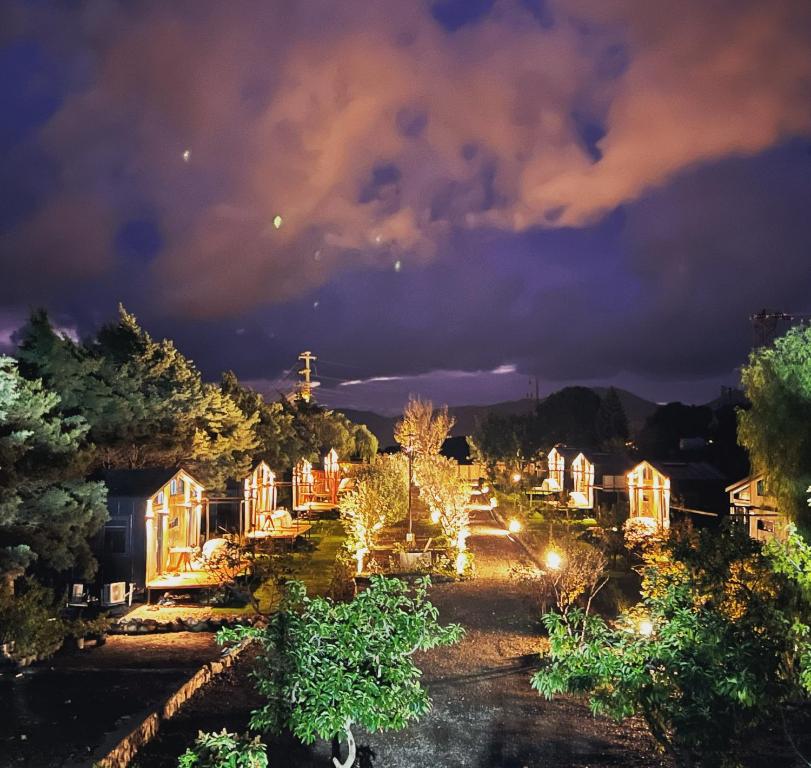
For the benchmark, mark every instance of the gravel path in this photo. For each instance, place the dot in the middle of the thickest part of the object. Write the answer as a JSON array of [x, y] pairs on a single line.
[[485, 714]]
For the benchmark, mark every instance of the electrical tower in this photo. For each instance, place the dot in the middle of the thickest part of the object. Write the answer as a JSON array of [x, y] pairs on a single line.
[[767, 325], [307, 384]]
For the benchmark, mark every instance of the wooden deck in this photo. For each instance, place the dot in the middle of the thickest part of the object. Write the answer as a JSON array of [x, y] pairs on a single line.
[[184, 580], [288, 535]]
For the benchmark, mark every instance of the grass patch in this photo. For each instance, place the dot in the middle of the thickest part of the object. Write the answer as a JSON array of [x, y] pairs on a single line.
[[311, 562], [327, 538]]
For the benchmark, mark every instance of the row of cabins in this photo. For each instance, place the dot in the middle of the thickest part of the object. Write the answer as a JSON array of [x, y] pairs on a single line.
[[164, 528], [656, 489]]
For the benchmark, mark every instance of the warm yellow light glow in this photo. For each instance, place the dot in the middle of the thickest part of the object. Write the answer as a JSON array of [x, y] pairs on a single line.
[[461, 562], [435, 516], [514, 526], [516, 477], [461, 539], [645, 627], [359, 555], [277, 221], [493, 502], [553, 560]]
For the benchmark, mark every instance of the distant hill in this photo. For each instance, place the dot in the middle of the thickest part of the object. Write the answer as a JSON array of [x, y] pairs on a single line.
[[636, 408], [729, 396]]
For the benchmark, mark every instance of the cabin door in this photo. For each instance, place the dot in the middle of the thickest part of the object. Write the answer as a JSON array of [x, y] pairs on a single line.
[[160, 535]]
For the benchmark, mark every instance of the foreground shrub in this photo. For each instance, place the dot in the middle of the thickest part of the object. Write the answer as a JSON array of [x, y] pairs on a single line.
[[29, 624], [224, 750], [718, 645], [327, 667]]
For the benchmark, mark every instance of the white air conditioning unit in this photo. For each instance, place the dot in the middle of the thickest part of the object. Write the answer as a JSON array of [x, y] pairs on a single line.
[[114, 594], [78, 596]]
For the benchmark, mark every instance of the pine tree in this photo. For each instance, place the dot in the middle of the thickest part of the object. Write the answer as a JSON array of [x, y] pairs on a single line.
[[279, 444], [224, 441], [48, 511], [611, 422], [101, 389]]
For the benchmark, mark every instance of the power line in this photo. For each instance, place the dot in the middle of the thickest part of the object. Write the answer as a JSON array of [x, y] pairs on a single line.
[[765, 324]]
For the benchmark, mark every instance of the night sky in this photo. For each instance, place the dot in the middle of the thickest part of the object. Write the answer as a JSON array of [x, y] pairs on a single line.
[[448, 198]]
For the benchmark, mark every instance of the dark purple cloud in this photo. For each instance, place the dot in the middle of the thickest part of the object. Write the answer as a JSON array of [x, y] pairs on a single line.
[[585, 189]]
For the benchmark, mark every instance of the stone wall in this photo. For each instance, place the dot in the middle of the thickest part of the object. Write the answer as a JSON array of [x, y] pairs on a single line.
[[124, 752]]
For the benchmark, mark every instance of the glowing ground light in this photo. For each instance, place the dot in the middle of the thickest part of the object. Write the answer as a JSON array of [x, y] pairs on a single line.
[[461, 562], [516, 477], [553, 560], [278, 221], [645, 627], [435, 516], [514, 526]]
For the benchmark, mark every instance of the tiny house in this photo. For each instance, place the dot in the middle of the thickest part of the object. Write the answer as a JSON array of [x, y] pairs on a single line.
[[260, 495], [750, 503], [555, 471], [692, 489], [317, 489], [649, 495], [582, 493], [155, 525]]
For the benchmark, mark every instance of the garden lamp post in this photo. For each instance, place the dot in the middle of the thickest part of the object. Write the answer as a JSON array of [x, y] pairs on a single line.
[[410, 452]]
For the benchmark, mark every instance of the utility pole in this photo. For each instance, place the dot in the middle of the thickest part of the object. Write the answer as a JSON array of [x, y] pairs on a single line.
[[305, 387], [410, 453], [768, 324]]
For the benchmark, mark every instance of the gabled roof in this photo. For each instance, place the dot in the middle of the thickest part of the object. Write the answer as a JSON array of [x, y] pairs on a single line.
[[604, 463], [258, 464], [745, 481], [139, 483], [611, 463], [688, 470]]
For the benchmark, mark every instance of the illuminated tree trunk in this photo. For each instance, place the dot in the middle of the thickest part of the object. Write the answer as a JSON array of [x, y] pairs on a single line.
[[350, 740]]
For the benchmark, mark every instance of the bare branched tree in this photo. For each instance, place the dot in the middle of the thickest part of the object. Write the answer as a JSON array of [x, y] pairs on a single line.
[[423, 430]]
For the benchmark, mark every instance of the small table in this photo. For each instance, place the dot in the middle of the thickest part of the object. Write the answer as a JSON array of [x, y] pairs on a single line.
[[183, 558], [281, 519]]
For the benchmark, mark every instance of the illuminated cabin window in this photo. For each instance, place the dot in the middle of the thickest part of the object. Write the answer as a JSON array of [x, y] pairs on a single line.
[[761, 487], [177, 487], [159, 499]]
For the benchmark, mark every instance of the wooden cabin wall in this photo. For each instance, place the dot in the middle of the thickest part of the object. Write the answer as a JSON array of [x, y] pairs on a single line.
[[130, 566]]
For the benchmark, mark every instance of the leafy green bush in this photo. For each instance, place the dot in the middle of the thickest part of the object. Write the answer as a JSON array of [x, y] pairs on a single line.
[[224, 750], [327, 667], [718, 644]]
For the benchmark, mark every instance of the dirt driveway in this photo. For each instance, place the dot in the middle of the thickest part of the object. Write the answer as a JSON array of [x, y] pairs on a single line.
[[54, 715]]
